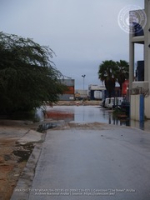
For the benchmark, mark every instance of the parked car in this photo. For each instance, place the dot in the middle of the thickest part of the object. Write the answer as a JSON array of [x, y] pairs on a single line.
[[113, 102], [103, 103]]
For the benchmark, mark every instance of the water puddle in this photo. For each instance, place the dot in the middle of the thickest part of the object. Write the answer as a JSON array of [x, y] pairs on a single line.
[[87, 114]]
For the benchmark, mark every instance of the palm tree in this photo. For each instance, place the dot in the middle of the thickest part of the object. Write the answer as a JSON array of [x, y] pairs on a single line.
[[122, 72], [107, 73]]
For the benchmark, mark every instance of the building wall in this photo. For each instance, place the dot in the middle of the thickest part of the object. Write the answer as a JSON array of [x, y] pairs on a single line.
[[96, 92], [135, 108], [143, 86], [66, 97], [97, 87], [135, 100], [69, 93], [147, 107], [81, 94], [70, 90]]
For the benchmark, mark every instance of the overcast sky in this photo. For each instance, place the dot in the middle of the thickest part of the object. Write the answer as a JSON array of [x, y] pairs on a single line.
[[82, 33]]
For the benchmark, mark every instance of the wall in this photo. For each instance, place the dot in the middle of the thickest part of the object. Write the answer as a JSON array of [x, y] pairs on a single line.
[[134, 110], [70, 90], [95, 94], [146, 83], [138, 108], [147, 107], [69, 94], [80, 94], [66, 97]]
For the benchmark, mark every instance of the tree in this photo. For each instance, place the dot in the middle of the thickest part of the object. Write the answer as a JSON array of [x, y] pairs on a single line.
[[27, 75], [107, 73], [123, 72]]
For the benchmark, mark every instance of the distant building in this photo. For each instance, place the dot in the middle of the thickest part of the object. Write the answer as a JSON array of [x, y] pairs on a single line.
[[81, 94], [69, 93], [95, 92], [99, 92]]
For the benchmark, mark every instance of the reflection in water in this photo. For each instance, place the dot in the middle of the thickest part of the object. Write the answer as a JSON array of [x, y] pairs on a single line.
[[83, 114], [86, 114], [115, 121], [60, 115]]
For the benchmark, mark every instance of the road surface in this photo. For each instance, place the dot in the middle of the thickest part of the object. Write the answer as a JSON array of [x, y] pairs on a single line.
[[92, 163]]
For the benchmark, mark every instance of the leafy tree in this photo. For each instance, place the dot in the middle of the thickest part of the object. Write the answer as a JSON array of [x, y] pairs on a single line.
[[123, 72], [27, 75], [107, 73]]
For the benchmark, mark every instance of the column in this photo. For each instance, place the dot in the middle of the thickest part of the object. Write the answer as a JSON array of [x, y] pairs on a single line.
[[131, 64]]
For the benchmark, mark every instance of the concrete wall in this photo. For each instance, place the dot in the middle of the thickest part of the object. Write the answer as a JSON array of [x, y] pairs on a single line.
[[66, 97], [135, 106], [147, 107], [134, 110]]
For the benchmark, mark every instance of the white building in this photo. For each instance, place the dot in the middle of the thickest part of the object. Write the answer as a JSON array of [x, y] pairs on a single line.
[[95, 92], [140, 34]]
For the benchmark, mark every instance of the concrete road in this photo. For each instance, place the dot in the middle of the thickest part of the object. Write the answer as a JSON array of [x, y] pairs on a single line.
[[93, 164]]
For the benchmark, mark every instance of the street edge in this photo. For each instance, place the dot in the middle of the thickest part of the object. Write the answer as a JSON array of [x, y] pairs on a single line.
[[22, 189]]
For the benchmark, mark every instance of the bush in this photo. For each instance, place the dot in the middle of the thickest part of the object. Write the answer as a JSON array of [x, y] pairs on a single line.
[[27, 75]]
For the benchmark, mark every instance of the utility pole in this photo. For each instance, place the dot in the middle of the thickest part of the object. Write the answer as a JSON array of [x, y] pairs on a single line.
[[83, 80]]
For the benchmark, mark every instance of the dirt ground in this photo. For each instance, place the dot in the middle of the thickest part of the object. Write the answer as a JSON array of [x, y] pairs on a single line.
[[13, 158]]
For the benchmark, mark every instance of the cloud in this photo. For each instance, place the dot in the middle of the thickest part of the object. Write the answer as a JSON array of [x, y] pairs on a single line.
[[82, 33]]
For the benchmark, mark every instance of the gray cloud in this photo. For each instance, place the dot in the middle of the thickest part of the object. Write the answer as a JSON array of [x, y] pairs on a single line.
[[82, 33]]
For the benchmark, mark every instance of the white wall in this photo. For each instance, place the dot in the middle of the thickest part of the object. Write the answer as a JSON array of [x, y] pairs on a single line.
[[147, 106], [134, 107]]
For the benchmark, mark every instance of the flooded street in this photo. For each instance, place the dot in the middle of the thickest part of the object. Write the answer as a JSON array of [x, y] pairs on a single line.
[[86, 114], [82, 114]]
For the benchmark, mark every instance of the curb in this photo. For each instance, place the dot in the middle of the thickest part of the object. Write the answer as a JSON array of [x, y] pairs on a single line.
[[22, 189]]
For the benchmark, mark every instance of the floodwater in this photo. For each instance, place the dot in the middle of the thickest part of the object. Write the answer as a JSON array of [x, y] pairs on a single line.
[[86, 114]]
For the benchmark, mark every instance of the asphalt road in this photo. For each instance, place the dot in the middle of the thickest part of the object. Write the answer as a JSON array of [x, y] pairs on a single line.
[[93, 164]]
